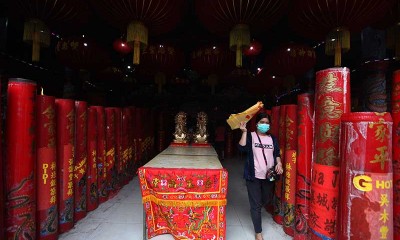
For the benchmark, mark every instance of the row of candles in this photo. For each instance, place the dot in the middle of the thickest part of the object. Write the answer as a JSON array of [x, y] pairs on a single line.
[[64, 158]]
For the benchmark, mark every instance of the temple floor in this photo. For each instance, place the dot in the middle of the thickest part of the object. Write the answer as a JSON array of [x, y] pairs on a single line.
[[121, 218]]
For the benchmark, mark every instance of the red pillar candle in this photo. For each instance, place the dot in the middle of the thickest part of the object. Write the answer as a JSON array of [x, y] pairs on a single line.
[[125, 144], [279, 184], [366, 188], [290, 169], [65, 122], [21, 157], [92, 194], [305, 116], [80, 170], [101, 155], [110, 151], [118, 145], [396, 152], [46, 169], [332, 99]]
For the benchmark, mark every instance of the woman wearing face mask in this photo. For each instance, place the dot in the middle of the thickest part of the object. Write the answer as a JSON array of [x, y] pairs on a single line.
[[262, 154]]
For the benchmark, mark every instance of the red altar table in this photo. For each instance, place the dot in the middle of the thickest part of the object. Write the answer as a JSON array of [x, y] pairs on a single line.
[[184, 194]]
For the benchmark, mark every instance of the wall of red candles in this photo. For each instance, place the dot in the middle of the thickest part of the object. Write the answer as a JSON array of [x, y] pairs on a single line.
[[53, 162]]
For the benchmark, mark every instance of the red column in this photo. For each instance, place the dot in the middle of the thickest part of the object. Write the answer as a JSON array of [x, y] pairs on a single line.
[[366, 174], [305, 116], [80, 170], [332, 99], [396, 152], [92, 194], [46, 169], [279, 184], [101, 155], [21, 157], [110, 151], [65, 115], [118, 145], [290, 169]]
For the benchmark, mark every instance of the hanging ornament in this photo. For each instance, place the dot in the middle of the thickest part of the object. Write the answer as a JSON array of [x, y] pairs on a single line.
[[239, 39], [137, 37]]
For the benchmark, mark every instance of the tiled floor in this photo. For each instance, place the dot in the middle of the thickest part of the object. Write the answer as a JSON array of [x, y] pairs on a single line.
[[121, 218]]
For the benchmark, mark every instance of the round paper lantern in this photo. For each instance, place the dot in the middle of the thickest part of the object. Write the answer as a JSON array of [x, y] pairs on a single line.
[[239, 17], [212, 60], [334, 20], [121, 46], [291, 59], [81, 53], [141, 17], [254, 49]]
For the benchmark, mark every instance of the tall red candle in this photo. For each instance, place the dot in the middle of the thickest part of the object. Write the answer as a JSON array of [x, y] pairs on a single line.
[[118, 146], [92, 194], [290, 169], [279, 184], [332, 99], [46, 169], [396, 152], [80, 170], [110, 151], [366, 187], [65, 121], [305, 116], [101, 155], [21, 157]]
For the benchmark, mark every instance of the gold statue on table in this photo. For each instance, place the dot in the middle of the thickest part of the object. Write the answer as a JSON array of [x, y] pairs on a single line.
[[201, 132], [180, 133]]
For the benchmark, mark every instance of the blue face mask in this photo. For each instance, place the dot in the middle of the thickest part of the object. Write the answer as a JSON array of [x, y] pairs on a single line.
[[263, 127]]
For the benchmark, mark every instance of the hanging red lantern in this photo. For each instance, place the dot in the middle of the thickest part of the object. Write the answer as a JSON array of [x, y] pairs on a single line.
[[291, 59], [240, 18], [254, 49], [121, 46], [81, 53], [141, 17], [334, 20], [212, 60]]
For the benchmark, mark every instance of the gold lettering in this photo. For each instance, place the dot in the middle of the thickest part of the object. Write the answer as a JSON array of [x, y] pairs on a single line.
[[329, 84], [363, 183]]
